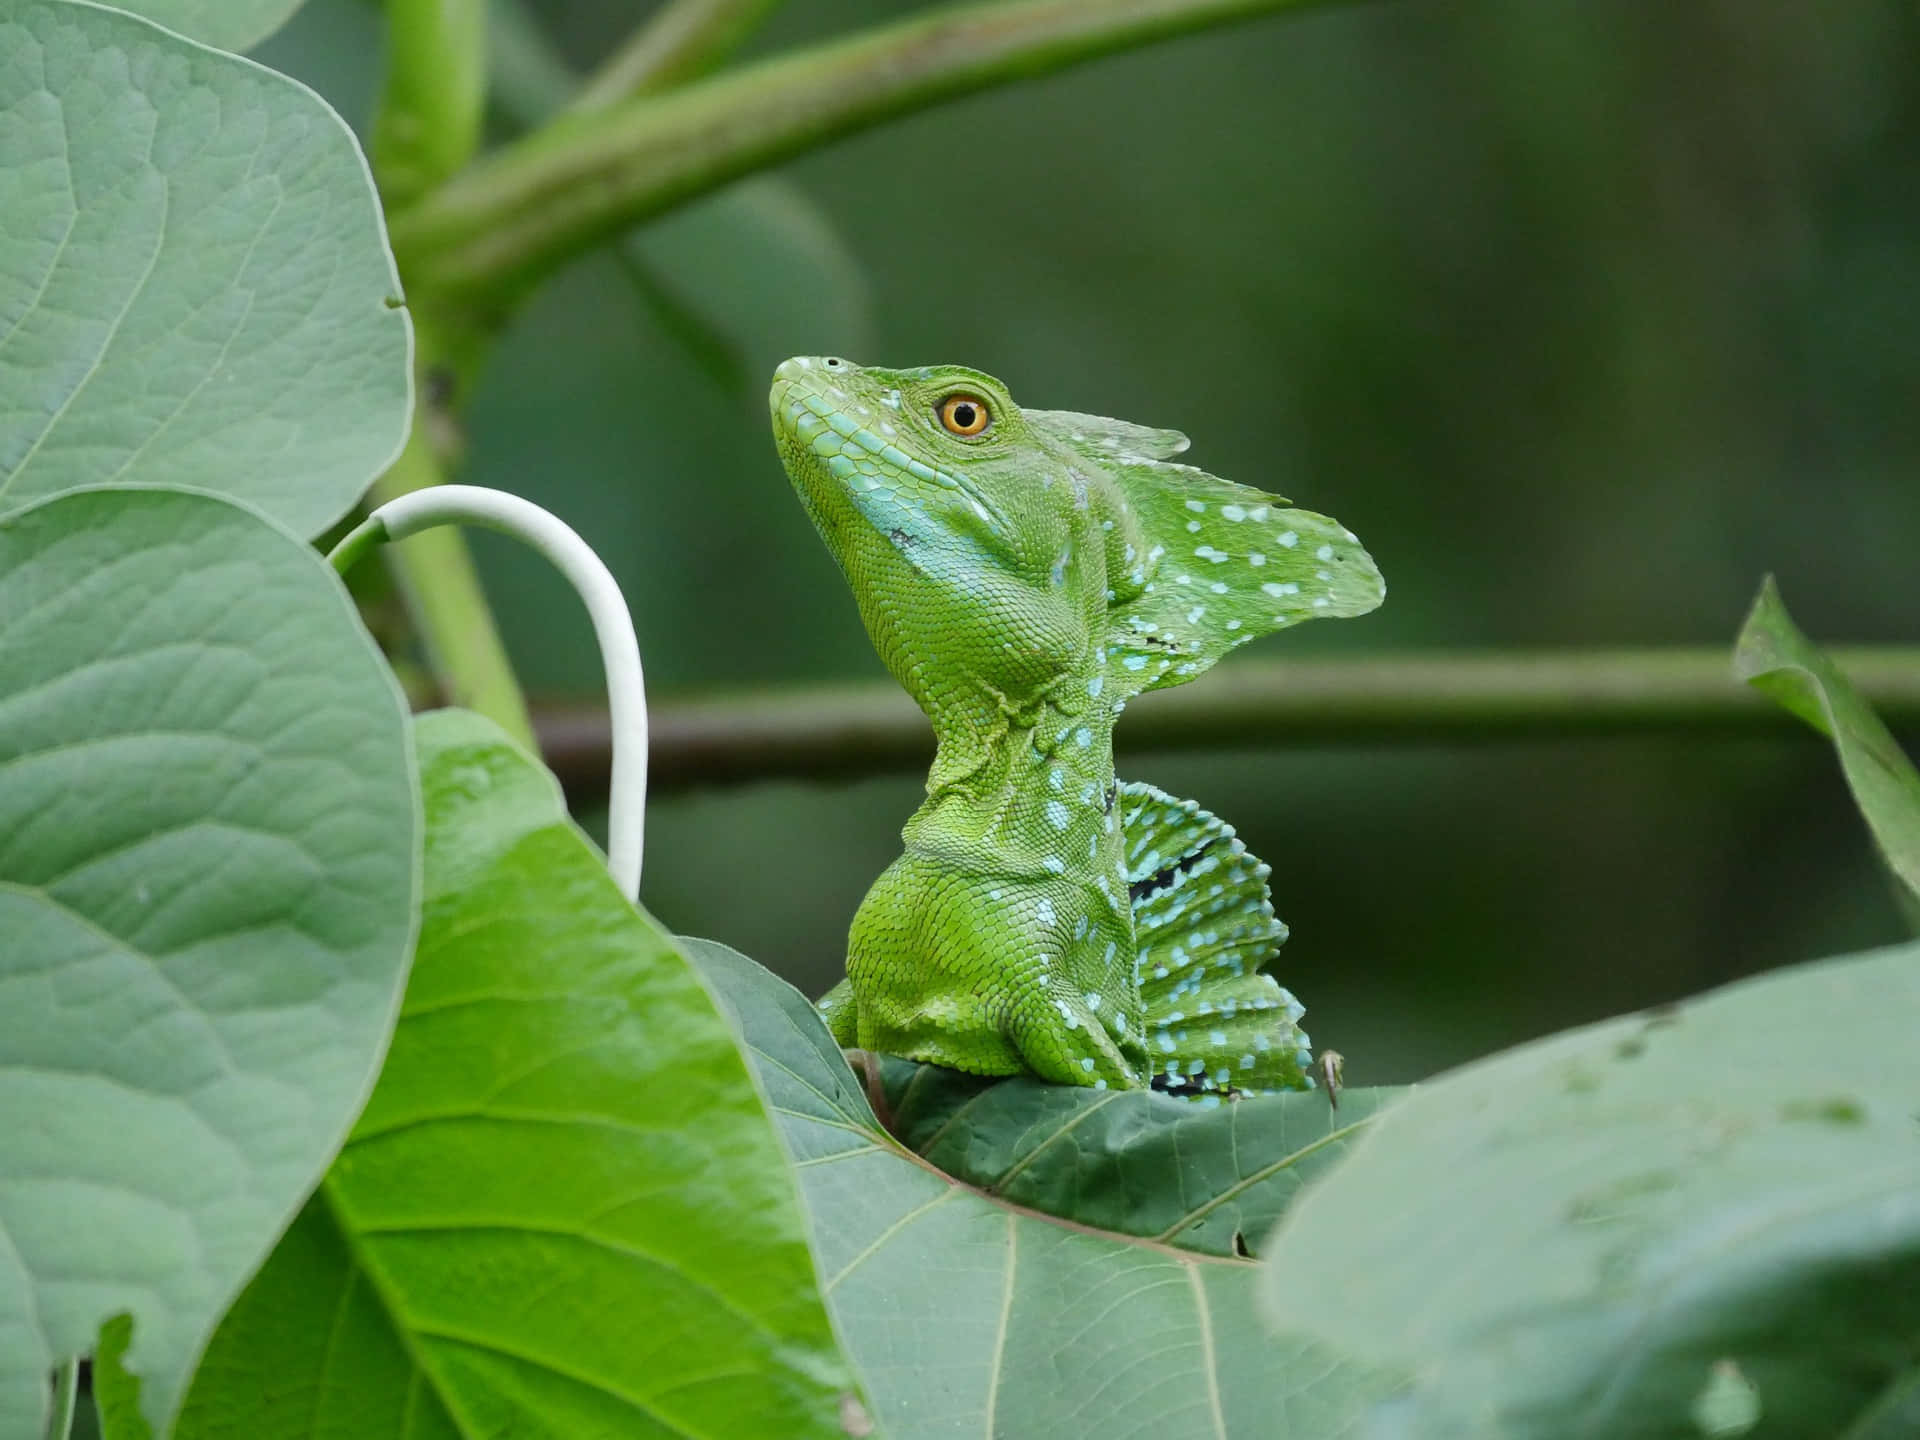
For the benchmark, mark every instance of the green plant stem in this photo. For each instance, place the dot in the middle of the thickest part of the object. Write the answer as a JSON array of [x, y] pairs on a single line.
[[66, 1398], [519, 214], [680, 41], [436, 574], [356, 544], [1461, 698], [527, 77], [428, 122], [426, 127]]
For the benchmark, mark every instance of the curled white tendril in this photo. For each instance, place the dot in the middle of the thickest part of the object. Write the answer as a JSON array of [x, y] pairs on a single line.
[[612, 625]]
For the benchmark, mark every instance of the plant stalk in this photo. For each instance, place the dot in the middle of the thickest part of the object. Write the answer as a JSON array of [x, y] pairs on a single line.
[[680, 41], [868, 729], [432, 99], [519, 214], [527, 77]]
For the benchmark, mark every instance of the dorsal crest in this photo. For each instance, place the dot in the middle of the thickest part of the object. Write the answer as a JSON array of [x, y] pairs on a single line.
[[1107, 440], [1198, 565]]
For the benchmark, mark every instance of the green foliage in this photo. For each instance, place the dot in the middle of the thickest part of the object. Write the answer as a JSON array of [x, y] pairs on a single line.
[[196, 289], [1612, 1231], [228, 24], [210, 859], [1773, 656], [208, 852], [1206, 1177], [563, 1211], [969, 1313]]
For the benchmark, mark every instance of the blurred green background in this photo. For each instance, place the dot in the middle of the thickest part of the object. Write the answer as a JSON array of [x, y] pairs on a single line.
[[1583, 313]]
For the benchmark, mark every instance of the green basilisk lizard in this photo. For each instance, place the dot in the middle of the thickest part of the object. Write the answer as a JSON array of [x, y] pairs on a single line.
[[1023, 574]]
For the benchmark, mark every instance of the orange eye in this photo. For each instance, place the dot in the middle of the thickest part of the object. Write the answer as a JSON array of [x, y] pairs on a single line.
[[965, 414]]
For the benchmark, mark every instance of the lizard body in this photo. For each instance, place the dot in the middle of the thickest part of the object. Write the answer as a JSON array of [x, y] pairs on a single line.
[[1023, 574]]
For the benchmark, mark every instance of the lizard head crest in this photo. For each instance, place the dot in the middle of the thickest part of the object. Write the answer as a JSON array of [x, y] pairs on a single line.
[[1013, 547]]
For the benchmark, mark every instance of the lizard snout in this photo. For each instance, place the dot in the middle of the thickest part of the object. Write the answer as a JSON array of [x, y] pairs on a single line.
[[801, 366]]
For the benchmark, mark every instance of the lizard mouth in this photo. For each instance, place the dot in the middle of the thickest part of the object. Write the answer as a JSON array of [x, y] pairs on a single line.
[[809, 404]]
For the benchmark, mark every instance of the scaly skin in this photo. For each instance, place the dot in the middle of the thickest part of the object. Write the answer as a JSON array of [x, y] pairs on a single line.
[[1022, 583]]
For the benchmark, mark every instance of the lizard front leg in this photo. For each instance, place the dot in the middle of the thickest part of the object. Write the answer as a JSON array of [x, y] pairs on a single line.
[[992, 975]]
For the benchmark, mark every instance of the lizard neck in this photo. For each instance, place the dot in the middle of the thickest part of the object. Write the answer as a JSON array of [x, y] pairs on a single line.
[[1024, 791]]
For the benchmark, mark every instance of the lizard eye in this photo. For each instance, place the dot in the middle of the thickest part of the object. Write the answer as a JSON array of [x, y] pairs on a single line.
[[965, 414]]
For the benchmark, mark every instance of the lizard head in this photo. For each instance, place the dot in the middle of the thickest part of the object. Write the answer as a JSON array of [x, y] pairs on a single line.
[[1014, 548], [950, 517], [920, 457]]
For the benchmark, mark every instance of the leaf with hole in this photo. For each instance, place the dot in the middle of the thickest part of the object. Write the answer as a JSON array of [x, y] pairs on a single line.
[[1625, 1229]]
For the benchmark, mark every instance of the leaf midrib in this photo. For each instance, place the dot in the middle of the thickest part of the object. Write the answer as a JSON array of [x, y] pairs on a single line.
[[1265, 1172], [395, 1312], [881, 1140]]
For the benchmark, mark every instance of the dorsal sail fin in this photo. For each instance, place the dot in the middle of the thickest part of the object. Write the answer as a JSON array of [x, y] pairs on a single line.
[[1205, 927]]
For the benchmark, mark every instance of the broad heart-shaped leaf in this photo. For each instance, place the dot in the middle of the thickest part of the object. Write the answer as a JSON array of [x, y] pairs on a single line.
[[226, 24], [1773, 656], [195, 286], [970, 1316], [565, 1212], [1624, 1229], [208, 868]]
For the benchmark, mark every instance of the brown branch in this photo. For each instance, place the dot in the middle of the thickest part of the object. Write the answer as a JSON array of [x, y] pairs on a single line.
[[854, 730]]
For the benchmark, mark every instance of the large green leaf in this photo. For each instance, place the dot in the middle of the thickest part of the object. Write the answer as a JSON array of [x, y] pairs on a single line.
[[969, 1315], [564, 1212], [1206, 1179], [1773, 656], [208, 858], [1698, 1221], [195, 287]]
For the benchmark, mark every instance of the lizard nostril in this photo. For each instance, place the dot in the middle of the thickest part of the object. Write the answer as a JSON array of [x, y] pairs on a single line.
[[832, 363]]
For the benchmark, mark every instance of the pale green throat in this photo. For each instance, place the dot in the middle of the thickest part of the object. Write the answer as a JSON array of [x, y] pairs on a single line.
[[1023, 574]]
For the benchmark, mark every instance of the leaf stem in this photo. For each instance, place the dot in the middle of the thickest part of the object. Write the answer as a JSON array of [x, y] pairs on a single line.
[[522, 212], [354, 545], [869, 729]]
